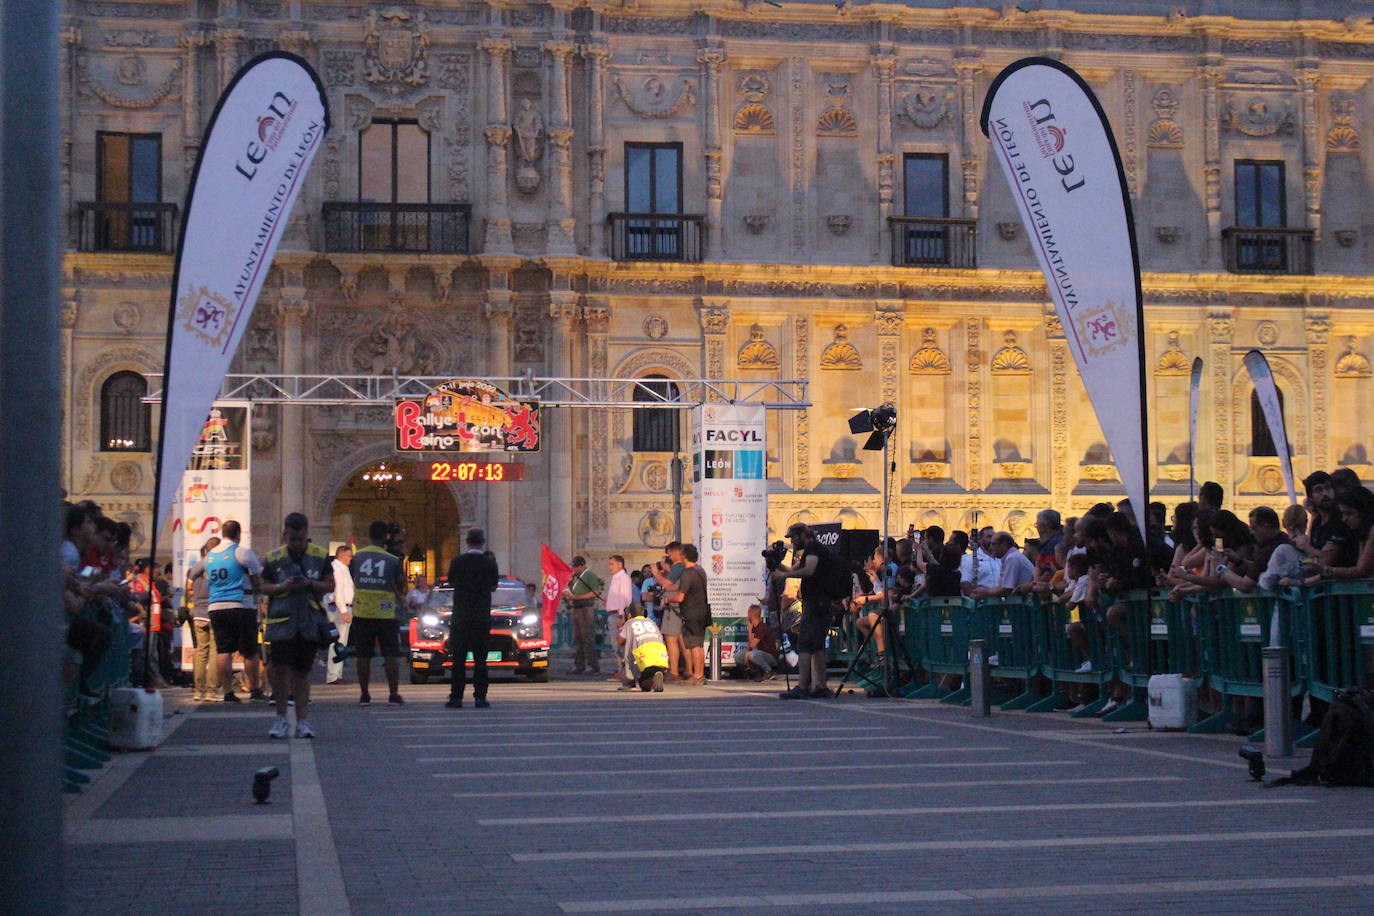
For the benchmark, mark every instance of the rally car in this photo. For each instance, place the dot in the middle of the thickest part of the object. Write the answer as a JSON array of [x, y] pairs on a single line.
[[516, 644]]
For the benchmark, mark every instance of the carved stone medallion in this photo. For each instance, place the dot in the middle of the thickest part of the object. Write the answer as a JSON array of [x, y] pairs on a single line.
[[394, 49]]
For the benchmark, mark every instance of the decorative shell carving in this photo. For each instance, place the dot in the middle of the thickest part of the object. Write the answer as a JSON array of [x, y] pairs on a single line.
[[755, 119], [930, 359], [1173, 361], [758, 353], [837, 122], [840, 353], [1011, 359], [1352, 363]]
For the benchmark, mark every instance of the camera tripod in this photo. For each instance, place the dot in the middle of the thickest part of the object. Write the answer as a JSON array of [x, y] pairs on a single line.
[[891, 667]]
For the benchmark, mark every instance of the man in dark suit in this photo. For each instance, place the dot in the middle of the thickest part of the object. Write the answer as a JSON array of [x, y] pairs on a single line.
[[473, 576]]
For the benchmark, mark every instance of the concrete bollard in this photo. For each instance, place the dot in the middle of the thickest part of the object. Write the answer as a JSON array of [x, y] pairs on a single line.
[[978, 680], [1278, 718], [713, 654]]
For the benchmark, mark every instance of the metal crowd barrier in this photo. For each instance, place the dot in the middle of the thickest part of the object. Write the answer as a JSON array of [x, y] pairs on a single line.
[[1215, 637], [86, 701]]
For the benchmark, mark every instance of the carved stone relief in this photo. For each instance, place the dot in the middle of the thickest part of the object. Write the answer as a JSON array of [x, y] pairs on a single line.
[[394, 49], [127, 317], [758, 353], [840, 353], [652, 98], [1267, 333], [1173, 361], [127, 71], [529, 136], [1258, 116], [753, 116], [1011, 359], [836, 120], [1164, 132], [126, 476], [655, 528], [930, 359], [1352, 363], [927, 106], [1342, 137], [529, 334], [340, 68]]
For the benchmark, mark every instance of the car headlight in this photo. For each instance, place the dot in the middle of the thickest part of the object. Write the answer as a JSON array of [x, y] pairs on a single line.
[[430, 620], [529, 620]]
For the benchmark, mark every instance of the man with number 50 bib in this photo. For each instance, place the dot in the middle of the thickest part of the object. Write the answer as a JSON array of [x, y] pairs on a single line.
[[233, 613]]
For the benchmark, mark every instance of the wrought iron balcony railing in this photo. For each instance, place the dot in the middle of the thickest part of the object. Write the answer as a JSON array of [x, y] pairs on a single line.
[[126, 226], [657, 236], [356, 226], [1267, 251], [920, 241]]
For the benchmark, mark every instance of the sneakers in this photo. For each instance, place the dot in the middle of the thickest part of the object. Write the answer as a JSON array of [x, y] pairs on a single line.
[[454, 703], [796, 693], [213, 697], [819, 693], [230, 697], [480, 702], [365, 700], [658, 682], [258, 696], [993, 660], [1112, 706], [695, 682], [303, 730], [395, 700], [279, 728], [1085, 668], [198, 697]]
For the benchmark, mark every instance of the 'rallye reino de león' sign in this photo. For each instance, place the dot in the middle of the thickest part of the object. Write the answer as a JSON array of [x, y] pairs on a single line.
[[1057, 151], [466, 415], [258, 147]]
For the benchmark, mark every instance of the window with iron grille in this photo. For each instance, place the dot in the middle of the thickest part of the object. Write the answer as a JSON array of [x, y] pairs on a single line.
[[124, 416], [656, 429]]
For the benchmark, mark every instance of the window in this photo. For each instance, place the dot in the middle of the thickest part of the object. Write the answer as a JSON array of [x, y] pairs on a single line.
[[1261, 439], [656, 428], [926, 184], [124, 417], [128, 171], [1260, 194], [393, 163], [653, 177]]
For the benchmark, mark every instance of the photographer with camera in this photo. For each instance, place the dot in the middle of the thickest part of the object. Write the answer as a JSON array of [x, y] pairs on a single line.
[[810, 560]]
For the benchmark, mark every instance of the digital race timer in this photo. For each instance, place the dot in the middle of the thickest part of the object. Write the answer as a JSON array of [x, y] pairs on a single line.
[[484, 471]]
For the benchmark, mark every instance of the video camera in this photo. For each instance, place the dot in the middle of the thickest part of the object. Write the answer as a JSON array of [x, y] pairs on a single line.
[[395, 544], [773, 555]]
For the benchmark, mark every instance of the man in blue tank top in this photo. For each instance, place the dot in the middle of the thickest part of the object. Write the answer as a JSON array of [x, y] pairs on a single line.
[[233, 572]]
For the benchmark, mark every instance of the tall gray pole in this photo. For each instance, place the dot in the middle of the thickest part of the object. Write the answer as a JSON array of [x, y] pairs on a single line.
[[30, 407]]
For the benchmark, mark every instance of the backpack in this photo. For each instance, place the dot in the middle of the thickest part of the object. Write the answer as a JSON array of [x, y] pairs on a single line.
[[1344, 755], [836, 580]]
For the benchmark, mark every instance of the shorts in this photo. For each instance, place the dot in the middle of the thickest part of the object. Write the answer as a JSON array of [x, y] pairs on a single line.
[[366, 632], [295, 653], [236, 630], [694, 632], [672, 622], [815, 626]]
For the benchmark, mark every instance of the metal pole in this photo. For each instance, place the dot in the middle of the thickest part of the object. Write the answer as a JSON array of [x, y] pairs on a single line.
[[1278, 718], [30, 391], [676, 468], [978, 680], [713, 648]]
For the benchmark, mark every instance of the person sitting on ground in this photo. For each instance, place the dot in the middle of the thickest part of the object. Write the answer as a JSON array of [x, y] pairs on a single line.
[[759, 656], [643, 652], [1015, 574]]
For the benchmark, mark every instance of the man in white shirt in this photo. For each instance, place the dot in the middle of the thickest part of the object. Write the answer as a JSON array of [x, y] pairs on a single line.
[[1017, 573], [980, 569], [619, 597], [339, 605]]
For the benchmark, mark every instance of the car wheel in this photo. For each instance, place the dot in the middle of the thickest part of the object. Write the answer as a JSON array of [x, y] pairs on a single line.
[[538, 676], [419, 677]]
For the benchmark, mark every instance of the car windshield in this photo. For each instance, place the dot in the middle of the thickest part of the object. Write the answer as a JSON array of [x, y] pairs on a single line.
[[509, 596]]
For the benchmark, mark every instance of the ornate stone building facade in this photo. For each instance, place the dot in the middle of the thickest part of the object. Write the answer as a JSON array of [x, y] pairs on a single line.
[[737, 189]]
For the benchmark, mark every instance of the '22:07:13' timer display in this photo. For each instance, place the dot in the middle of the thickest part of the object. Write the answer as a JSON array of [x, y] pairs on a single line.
[[483, 471]]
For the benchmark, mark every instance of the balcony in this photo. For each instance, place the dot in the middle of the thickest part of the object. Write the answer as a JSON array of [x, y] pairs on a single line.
[[351, 227], [920, 241], [1267, 251], [145, 227], [657, 236]]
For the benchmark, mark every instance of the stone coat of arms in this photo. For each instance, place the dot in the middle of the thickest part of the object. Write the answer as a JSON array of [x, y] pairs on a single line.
[[394, 49]]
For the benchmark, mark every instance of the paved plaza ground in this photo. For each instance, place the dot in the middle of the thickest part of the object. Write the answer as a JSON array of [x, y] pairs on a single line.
[[571, 797]]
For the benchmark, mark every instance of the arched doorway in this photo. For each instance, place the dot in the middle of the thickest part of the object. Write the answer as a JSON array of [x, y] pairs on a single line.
[[399, 492]]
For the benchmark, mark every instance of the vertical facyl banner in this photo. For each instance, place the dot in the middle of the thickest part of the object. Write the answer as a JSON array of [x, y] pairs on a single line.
[[256, 151], [1272, 408], [730, 502], [215, 487], [1194, 394], [1059, 156]]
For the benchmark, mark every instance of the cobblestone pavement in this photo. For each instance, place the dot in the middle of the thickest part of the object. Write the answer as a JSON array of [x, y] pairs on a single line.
[[572, 797]]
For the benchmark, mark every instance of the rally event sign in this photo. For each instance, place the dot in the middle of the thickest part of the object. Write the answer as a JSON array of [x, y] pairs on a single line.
[[730, 505], [466, 415], [1056, 148], [257, 149]]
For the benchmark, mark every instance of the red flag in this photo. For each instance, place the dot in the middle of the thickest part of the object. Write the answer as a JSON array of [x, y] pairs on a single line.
[[557, 575]]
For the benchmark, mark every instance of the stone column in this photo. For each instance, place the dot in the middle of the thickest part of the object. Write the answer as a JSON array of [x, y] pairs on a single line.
[[227, 52], [558, 423], [1313, 144], [1318, 326], [596, 56], [498, 230], [973, 404], [596, 318], [1211, 74], [884, 65], [1061, 484], [711, 57], [71, 44], [715, 322], [71, 309], [801, 429], [1220, 326], [890, 324], [969, 65], [293, 308], [561, 223], [497, 308], [191, 43]]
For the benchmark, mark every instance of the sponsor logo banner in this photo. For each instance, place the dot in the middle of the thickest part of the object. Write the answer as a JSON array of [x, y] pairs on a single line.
[[1055, 146], [466, 415], [257, 149], [730, 503]]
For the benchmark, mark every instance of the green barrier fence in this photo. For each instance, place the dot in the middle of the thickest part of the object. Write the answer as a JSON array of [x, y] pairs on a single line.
[[1063, 661], [86, 700], [1340, 631], [1015, 632]]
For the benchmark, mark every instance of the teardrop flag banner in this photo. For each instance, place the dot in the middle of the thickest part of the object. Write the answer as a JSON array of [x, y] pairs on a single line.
[[1272, 407], [1054, 143], [1194, 393], [258, 146]]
